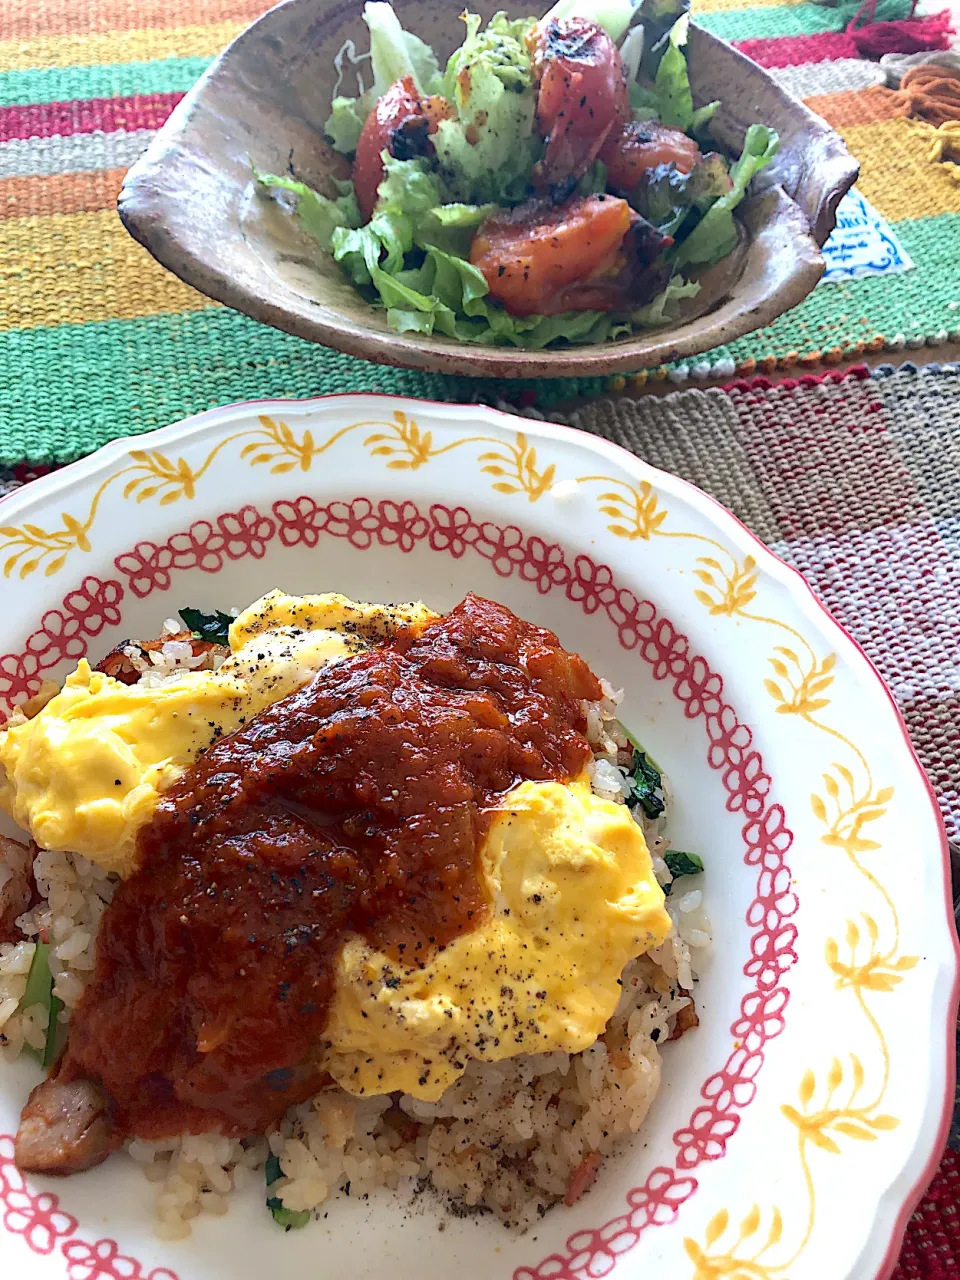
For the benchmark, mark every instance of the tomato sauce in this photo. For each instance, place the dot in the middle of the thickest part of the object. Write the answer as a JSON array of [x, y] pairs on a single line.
[[357, 805]]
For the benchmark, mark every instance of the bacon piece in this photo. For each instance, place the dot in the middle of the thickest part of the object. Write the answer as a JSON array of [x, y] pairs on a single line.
[[65, 1128], [118, 665], [686, 1020], [17, 891], [583, 1177]]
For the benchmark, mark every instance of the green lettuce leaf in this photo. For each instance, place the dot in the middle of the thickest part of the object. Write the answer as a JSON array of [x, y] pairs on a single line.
[[414, 187], [674, 97], [451, 227], [486, 153], [319, 215], [663, 309], [715, 235], [700, 120], [409, 186], [657, 17], [643, 102], [369, 253], [344, 124], [394, 54]]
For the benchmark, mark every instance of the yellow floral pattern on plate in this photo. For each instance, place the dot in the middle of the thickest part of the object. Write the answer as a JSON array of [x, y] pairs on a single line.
[[152, 475]]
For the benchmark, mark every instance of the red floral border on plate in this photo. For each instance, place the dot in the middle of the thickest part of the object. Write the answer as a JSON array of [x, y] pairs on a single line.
[[64, 634]]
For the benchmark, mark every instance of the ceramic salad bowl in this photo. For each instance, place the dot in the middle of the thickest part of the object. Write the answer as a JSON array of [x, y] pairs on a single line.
[[190, 199], [797, 1126]]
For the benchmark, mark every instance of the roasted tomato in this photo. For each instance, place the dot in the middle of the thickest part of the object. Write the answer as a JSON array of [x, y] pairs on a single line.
[[631, 149], [589, 253], [400, 124], [582, 95]]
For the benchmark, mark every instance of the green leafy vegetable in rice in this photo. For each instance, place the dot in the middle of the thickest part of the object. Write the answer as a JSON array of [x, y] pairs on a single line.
[[682, 864], [39, 995], [646, 786], [289, 1219], [213, 627]]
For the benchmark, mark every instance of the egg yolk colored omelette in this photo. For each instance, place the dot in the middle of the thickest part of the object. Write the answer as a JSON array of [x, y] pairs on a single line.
[[85, 774], [368, 849]]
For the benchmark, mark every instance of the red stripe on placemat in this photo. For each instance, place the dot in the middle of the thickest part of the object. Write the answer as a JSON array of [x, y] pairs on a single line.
[[789, 51], [49, 119], [931, 1246]]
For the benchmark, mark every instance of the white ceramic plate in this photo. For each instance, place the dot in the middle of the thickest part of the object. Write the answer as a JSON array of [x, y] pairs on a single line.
[[797, 1127]]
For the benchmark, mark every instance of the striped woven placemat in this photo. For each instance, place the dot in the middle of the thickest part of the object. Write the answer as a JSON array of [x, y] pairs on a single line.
[[97, 340]]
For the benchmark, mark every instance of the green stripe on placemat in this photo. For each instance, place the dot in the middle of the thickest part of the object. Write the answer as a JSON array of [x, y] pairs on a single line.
[[122, 377], [842, 314], [114, 80], [765, 22], [79, 386]]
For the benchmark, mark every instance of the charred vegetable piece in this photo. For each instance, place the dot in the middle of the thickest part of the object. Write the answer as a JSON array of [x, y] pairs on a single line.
[[399, 124], [635, 148], [582, 95], [289, 1219], [589, 253], [396, 125]]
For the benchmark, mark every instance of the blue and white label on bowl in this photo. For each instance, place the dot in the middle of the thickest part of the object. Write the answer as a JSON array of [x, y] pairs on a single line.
[[863, 243]]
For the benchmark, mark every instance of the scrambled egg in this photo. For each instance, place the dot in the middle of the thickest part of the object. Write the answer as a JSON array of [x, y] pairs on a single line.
[[87, 771], [573, 899]]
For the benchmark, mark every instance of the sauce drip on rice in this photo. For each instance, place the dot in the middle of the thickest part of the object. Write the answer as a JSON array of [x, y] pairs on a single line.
[[355, 806]]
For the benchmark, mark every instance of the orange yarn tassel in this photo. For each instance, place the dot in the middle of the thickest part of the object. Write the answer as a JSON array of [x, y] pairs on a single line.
[[932, 93]]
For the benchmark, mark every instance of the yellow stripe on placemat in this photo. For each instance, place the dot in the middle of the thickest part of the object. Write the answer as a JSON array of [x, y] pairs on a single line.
[[81, 267], [896, 173], [720, 6], [27, 19], [110, 47]]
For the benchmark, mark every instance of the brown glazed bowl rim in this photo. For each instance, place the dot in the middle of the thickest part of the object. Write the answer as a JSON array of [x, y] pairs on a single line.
[[788, 215]]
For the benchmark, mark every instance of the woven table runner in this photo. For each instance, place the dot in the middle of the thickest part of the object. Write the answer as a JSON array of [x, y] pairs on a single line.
[[98, 341]]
